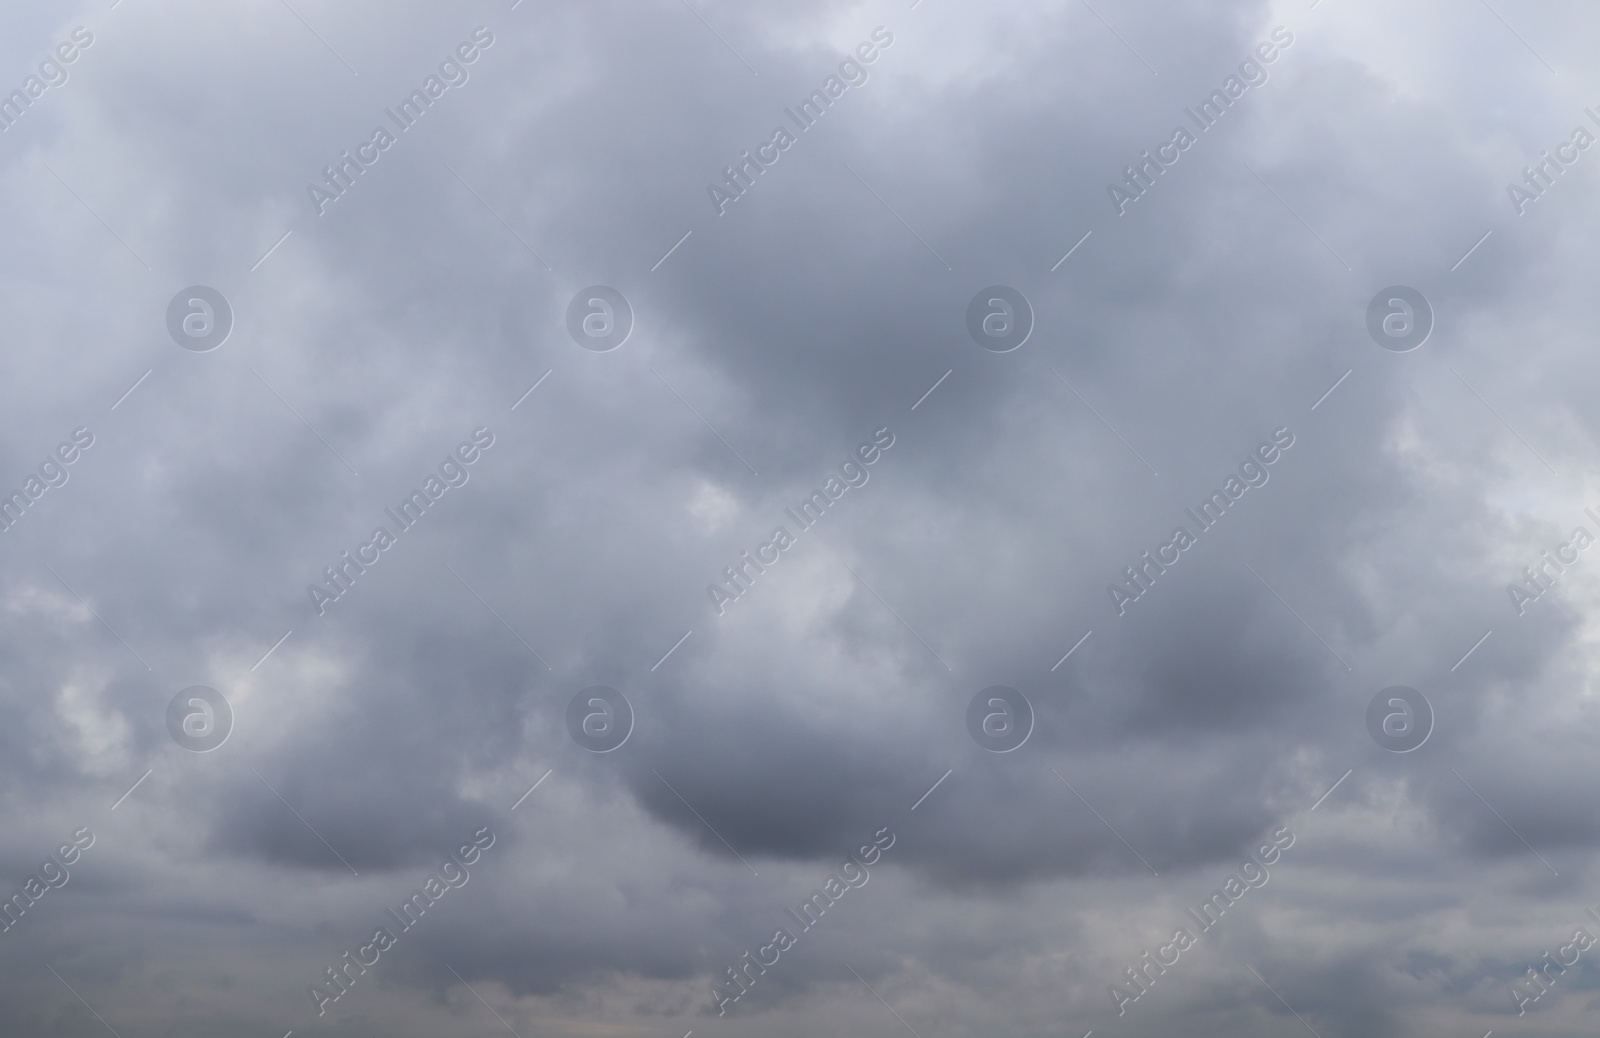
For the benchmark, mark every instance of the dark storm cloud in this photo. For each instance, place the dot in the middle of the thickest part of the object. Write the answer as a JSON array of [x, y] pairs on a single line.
[[831, 697]]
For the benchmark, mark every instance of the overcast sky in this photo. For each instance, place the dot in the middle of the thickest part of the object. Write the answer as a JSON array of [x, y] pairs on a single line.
[[419, 231]]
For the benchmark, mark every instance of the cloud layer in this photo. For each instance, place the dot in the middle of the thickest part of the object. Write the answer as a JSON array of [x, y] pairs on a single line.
[[393, 296]]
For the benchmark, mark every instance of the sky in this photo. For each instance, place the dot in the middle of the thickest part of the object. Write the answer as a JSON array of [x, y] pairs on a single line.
[[792, 518]]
